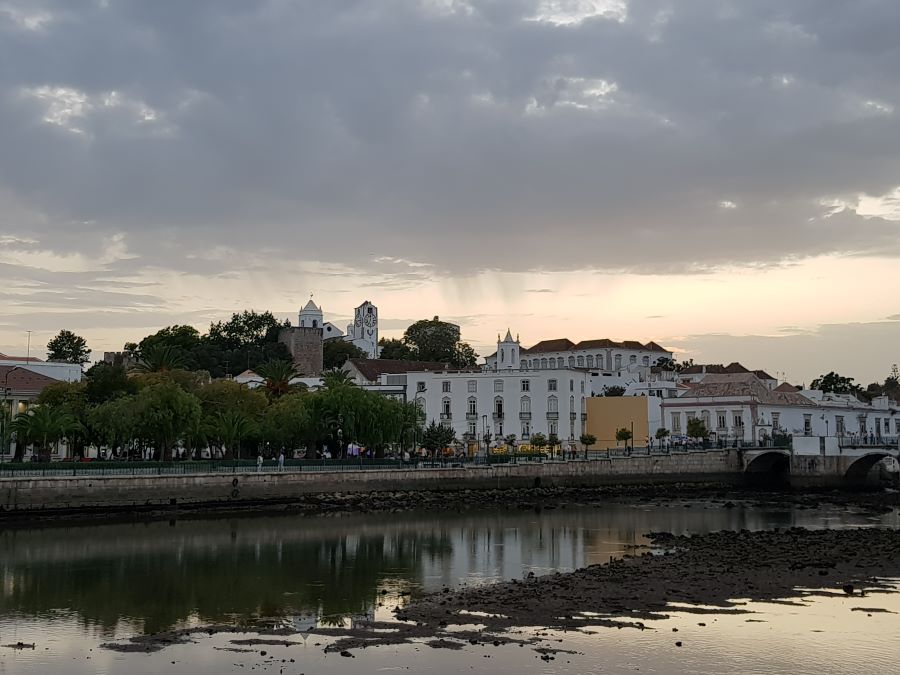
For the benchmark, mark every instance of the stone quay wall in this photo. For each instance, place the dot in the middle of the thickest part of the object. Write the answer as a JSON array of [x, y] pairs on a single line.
[[135, 493]]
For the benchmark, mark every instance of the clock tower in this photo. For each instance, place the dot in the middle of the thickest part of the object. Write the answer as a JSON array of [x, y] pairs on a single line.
[[363, 332]]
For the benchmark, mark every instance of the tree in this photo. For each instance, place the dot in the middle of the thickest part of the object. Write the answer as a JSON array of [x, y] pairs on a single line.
[[104, 382], [336, 352], [587, 440], [287, 424], [539, 441], [614, 390], [41, 425], [163, 413], [247, 328], [68, 347], [432, 340], [160, 359], [112, 422], [696, 428], [395, 350], [437, 437], [835, 384], [336, 378], [552, 443], [277, 376], [662, 433], [623, 435], [230, 427]]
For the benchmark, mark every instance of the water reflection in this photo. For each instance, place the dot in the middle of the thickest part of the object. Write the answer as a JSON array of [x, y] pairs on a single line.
[[151, 577]]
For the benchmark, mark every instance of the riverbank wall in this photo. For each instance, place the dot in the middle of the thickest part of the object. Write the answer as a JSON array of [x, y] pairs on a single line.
[[136, 493]]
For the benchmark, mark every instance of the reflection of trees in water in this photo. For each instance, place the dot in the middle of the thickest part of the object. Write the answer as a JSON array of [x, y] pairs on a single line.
[[333, 577]]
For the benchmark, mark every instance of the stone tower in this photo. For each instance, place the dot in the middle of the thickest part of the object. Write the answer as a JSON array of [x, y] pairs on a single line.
[[363, 332], [305, 346]]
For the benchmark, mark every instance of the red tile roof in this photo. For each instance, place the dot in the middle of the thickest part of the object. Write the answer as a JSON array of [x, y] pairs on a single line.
[[557, 345], [786, 388], [22, 380], [28, 359], [372, 368]]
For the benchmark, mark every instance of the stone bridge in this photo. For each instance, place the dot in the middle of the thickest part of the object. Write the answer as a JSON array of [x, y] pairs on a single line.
[[831, 465]]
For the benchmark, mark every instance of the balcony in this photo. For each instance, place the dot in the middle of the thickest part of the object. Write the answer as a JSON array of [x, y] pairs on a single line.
[[553, 415], [525, 416], [573, 416], [498, 416], [471, 416], [446, 416]]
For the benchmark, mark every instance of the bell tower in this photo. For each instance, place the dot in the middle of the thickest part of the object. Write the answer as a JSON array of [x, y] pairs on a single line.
[[508, 352]]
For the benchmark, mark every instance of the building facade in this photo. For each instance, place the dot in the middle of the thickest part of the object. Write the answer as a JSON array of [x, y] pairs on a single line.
[[503, 403], [305, 346], [363, 332], [601, 355]]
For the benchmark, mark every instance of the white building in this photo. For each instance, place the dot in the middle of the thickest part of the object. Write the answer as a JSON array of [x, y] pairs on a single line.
[[601, 355], [311, 317], [56, 370], [741, 407], [507, 402]]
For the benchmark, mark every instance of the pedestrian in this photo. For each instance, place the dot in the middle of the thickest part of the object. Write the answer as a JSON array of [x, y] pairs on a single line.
[[259, 463], [281, 460]]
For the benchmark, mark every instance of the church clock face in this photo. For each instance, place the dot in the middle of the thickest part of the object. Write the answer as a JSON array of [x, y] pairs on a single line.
[[370, 321]]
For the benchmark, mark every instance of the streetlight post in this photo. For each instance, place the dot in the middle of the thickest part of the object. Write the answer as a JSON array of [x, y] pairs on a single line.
[[632, 435]]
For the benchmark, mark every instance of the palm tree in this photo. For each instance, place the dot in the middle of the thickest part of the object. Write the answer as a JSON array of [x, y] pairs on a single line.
[[277, 375], [42, 425], [230, 427], [160, 359], [336, 377]]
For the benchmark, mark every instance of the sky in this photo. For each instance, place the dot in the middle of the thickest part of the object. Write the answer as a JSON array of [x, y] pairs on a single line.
[[722, 177]]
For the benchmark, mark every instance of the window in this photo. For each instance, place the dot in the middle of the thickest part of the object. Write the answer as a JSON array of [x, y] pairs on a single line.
[[676, 423], [721, 420], [551, 385], [839, 425], [543, 364], [776, 419], [498, 407], [646, 361], [582, 386], [553, 428], [571, 385], [738, 420], [600, 360], [445, 386], [471, 430], [526, 385], [552, 363], [420, 386], [523, 364], [705, 417], [445, 406], [498, 385], [502, 355], [472, 406], [571, 362], [571, 404], [580, 361], [553, 404], [618, 361], [632, 359], [525, 405], [807, 425], [473, 386], [589, 361], [526, 430]]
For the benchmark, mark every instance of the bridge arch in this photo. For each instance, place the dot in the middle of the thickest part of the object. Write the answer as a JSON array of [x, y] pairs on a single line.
[[769, 467], [859, 469]]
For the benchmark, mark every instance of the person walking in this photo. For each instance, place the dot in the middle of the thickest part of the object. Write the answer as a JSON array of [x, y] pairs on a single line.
[[281, 460], [259, 461]]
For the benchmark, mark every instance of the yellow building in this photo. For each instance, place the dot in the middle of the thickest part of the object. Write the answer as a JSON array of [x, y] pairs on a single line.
[[607, 414]]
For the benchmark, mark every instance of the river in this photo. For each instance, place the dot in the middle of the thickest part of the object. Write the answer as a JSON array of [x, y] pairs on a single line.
[[69, 589]]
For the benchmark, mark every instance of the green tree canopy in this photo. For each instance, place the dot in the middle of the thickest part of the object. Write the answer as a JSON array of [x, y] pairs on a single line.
[[68, 347], [246, 329], [696, 428], [336, 352], [396, 350], [437, 437], [623, 435], [104, 382], [614, 390], [163, 412], [835, 384]]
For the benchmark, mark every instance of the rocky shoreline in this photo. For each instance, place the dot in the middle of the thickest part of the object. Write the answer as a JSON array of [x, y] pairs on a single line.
[[335, 503]]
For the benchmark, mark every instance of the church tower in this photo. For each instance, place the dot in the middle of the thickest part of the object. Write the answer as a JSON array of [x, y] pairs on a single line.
[[363, 332], [310, 316], [507, 352]]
